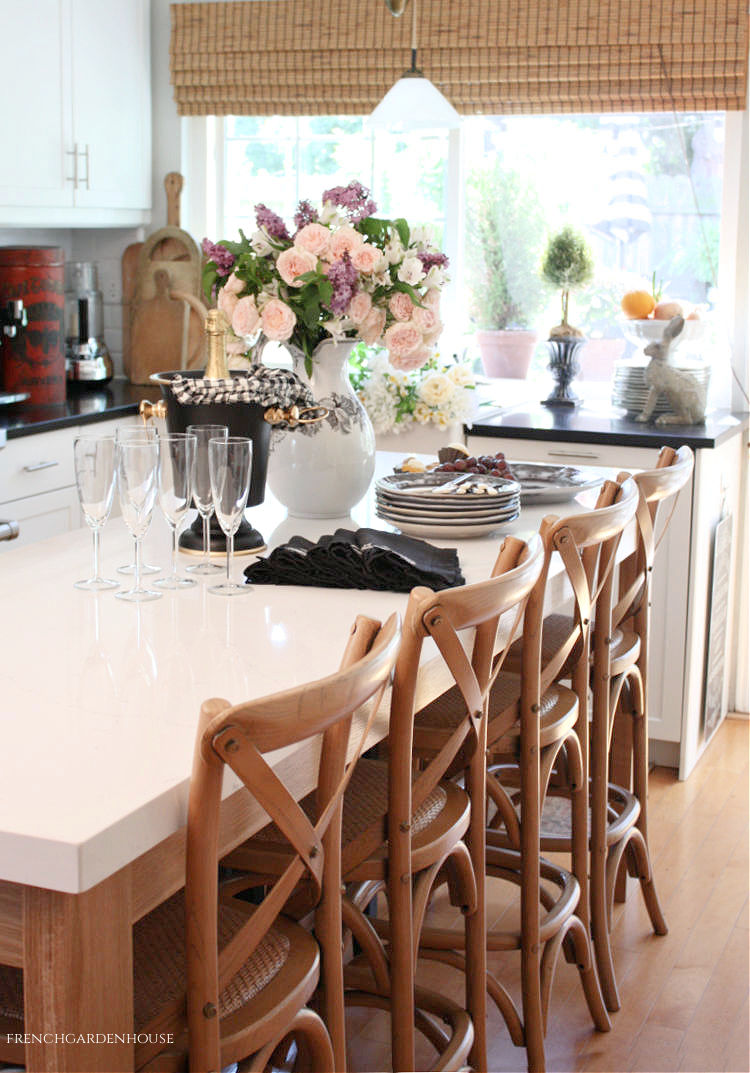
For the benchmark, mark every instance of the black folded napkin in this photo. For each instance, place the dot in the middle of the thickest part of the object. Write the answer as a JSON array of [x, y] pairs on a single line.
[[365, 559]]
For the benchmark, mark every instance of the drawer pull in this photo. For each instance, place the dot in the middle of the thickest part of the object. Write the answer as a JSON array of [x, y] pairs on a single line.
[[574, 454], [40, 465]]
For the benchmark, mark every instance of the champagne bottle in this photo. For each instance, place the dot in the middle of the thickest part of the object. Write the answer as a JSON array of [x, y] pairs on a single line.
[[216, 330]]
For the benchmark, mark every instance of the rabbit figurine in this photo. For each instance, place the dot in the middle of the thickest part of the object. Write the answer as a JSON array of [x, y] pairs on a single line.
[[686, 396]]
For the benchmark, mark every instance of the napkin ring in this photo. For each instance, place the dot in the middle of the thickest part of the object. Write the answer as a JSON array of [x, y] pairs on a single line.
[[293, 416]]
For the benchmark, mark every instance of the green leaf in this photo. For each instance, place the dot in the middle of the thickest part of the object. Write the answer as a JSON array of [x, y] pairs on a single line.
[[402, 228]]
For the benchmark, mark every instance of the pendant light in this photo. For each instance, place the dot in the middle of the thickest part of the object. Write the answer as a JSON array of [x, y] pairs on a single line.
[[413, 102]]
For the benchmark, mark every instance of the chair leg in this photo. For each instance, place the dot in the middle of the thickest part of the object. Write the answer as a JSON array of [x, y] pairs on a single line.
[[476, 922], [401, 967], [600, 928], [640, 785]]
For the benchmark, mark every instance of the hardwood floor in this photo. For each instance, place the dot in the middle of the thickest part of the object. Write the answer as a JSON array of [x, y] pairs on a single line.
[[684, 995]]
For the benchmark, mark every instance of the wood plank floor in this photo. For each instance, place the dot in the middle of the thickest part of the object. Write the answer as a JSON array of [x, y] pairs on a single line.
[[684, 995]]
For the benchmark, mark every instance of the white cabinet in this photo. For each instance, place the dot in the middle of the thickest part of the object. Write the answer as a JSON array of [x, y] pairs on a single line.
[[77, 133], [679, 619], [37, 481]]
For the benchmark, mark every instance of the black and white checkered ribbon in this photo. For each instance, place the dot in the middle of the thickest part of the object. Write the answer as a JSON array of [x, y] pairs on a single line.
[[267, 387]]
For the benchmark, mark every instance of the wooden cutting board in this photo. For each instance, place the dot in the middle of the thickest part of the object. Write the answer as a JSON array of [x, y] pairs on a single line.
[[161, 333]]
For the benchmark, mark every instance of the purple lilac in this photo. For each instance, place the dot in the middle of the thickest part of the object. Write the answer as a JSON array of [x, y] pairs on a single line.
[[355, 198], [272, 224], [221, 257], [343, 275], [430, 260], [305, 215]]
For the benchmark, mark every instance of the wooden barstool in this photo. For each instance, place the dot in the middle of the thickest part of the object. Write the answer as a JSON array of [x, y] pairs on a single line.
[[534, 721], [403, 827]]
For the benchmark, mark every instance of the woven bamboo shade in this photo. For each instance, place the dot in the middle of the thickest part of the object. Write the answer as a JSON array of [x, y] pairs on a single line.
[[337, 57]]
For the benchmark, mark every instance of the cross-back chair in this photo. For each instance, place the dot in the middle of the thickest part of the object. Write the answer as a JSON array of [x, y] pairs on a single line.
[[238, 738], [534, 721], [403, 826]]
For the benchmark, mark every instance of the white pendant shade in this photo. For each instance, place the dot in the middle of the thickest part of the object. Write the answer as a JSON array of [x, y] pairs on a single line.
[[413, 103]]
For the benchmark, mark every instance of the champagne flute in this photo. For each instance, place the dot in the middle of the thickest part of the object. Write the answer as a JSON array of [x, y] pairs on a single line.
[[175, 477], [137, 465], [202, 489], [229, 461], [123, 434], [94, 461]]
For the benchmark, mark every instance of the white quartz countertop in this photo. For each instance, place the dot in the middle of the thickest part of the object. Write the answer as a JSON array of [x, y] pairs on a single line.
[[100, 697]]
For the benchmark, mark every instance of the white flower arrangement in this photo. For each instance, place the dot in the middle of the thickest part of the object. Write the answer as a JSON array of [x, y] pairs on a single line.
[[438, 393]]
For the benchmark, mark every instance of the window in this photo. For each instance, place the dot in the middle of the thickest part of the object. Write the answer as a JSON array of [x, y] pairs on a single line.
[[645, 189]]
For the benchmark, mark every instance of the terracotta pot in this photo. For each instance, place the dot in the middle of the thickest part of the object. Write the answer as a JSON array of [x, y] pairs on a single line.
[[507, 354]]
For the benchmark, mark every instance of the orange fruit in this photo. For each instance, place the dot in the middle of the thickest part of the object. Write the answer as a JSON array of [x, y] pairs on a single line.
[[638, 305]]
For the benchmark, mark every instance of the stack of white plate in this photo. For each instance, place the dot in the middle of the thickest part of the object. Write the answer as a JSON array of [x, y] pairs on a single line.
[[630, 390], [448, 505]]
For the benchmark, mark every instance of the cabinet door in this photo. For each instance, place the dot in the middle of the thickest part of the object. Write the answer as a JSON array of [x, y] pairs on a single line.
[[111, 103], [41, 516], [36, 119]]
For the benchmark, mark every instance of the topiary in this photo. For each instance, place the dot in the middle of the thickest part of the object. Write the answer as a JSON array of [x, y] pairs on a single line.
[[568, 264]]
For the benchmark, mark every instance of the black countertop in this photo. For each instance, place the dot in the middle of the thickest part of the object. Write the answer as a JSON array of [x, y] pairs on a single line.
[[118, 398], [592, 424]]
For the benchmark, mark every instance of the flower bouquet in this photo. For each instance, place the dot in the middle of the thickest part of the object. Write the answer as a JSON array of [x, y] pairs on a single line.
[[437, 393], [341, 273]]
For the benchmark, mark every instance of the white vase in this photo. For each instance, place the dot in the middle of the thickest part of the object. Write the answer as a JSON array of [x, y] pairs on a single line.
[[322, 470]]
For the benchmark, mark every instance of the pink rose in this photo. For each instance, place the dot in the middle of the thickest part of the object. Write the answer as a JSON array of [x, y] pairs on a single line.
[[345, 240], [314, 238], [371, 328], [425, 319], [434, 335], [407, 362], [245, 319], [233, 285], [226, 302], [401, 306], [431, 299], [295, 262], [236, 347], [402, 338], [277, 320], [360, 306], [366, 258]]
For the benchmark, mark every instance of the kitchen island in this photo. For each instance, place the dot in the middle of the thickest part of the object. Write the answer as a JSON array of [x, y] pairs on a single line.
[[101, 700]]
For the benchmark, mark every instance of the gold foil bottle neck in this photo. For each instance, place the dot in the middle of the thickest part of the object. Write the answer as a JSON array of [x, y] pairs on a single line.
[[216, 330]]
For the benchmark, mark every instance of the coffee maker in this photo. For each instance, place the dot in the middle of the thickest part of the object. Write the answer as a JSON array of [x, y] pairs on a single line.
[[87, 359]]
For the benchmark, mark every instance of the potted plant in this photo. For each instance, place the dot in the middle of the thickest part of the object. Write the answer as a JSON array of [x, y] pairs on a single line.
[[505, 235], [568, 265]]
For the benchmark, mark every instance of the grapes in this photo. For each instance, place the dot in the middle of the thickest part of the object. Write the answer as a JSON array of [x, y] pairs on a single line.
[[492, 465]]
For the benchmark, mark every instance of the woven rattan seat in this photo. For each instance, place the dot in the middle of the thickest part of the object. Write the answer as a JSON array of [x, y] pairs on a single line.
[[365, 802], [159, 959], [159, 963]]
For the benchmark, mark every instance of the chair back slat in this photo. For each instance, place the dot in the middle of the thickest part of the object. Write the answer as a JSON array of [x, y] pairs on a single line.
[[443, 617], [587, 544], [238, 737], [658, 489]]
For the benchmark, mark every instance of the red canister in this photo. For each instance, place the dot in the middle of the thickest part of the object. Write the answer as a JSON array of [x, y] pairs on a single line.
[[34, 359]]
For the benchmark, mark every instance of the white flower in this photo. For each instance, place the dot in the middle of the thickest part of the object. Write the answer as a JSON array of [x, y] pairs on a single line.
[[422, 413], [421, 235], [330, 215], [461, 375], [411, 271], [436, 389], [260, 244], [394, 250], [436, 277]]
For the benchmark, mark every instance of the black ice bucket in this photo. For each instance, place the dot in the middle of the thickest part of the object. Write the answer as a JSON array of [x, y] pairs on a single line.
[[242, 419]]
